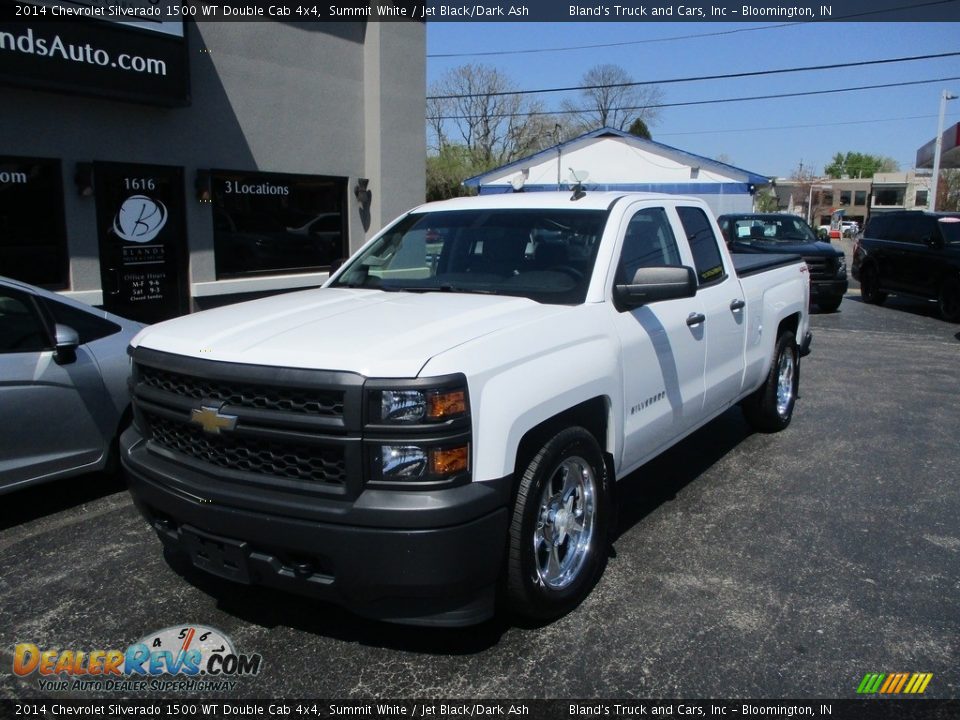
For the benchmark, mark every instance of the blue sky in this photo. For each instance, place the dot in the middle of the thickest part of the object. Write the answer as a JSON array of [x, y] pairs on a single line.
[[769, 137]]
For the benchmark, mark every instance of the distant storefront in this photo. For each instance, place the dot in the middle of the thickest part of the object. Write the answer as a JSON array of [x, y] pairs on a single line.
[[154, 169]]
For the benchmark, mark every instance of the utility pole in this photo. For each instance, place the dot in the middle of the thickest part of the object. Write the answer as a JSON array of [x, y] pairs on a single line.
[[938, 147]]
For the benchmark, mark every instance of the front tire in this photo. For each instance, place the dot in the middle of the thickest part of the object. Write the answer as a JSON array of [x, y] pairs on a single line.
[[770, 408], [560, 527], [949, 300], [830, 305], [870, 286]]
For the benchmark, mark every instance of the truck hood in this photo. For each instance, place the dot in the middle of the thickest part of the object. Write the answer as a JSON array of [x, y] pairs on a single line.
[[790, 247], [374, 333]]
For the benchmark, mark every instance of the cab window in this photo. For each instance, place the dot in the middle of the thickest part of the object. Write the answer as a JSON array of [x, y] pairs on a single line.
[[703, 243], [648, 242]]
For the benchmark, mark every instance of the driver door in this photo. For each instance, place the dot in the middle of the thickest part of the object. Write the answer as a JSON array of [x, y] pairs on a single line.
[[46, 424]]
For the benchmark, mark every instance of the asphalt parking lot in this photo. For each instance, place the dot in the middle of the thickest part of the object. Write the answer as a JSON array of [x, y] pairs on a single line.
[[763, 566]]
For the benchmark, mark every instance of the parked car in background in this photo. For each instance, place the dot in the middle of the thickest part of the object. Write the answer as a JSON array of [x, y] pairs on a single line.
[[911, 252], [850, 228], [63, 385], [783, 233]]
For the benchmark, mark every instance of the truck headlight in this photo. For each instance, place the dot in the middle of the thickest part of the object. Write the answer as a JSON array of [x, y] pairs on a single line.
[[406, 463], [842, 268], [419, 406]]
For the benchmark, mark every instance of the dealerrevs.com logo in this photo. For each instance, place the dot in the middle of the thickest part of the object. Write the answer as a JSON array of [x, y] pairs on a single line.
[[187, 658]]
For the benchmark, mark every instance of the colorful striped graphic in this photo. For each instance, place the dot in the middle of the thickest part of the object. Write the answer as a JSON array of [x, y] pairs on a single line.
[[894, 683]]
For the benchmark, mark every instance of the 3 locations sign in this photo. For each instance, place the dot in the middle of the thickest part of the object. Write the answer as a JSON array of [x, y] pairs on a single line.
[[78, 47]]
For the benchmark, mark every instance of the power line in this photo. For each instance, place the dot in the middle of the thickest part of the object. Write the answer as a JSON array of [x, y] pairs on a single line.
[[714, 131], [679, 37], [610, 45], [727, 76], [706, 102]]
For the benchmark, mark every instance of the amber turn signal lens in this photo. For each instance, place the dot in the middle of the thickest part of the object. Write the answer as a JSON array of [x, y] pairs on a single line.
[[447, 461], [446, 404]]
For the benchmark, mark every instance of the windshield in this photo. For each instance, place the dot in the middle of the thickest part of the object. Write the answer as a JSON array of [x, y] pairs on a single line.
[[545, 255], [769, 229]]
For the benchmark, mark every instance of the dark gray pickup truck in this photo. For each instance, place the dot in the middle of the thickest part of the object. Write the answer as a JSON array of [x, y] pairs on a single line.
[[782, 233]]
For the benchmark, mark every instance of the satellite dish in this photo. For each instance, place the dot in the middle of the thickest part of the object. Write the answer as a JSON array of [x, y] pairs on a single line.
[[517, 182], [579, 177]]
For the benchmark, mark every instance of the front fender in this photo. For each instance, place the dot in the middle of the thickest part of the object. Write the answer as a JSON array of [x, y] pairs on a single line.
[[520, 377]]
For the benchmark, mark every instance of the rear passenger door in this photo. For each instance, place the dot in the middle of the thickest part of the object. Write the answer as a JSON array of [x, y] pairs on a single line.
[[721, 305], [663, 356]]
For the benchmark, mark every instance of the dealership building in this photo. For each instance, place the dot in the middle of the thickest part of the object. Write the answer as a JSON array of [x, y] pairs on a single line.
[[156, 168]]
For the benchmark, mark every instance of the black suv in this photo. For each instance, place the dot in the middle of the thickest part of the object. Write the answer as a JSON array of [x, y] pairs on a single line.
[[911, 252], [782, 233]]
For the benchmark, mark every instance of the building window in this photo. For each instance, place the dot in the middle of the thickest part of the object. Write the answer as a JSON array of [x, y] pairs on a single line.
[[889, 197], [921, 198], [845, 196], [825, 197], [269, 223], [860, 197], [33, 236]]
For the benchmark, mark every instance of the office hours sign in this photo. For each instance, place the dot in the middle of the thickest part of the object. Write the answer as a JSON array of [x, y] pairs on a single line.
[[142, 236]]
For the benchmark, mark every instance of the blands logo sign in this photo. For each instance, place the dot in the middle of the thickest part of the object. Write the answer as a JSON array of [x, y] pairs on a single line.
[[894, 683]]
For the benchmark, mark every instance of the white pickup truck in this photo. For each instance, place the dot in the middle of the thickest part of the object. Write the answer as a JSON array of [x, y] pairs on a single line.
[[440, 427]]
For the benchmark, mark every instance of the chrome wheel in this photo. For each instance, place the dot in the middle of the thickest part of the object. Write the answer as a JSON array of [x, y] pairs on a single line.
[[565, 523], [785, 384]]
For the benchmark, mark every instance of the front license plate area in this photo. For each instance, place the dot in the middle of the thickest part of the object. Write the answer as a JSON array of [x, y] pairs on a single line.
[[219, 556]]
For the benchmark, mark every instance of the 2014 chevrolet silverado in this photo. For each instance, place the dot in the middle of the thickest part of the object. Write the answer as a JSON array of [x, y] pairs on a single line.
[[442, 425]]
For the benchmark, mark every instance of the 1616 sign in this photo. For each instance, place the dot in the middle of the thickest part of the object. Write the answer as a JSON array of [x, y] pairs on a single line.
[[140, 217]]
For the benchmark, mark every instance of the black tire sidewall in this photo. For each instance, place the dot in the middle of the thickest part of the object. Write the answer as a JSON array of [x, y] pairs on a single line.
[[528, 596], [761, 408], [831, 305], [949, 288], [870, 285]]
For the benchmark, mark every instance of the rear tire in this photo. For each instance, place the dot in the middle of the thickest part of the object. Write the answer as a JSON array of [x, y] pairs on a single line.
[[870, 286], [560, 527], [949, 300], [770, 408]]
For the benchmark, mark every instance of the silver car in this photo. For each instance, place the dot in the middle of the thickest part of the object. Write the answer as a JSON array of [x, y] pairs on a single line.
[[63, 385]]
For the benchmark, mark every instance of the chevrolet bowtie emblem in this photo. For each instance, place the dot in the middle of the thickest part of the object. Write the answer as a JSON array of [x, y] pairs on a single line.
[[212, 420]]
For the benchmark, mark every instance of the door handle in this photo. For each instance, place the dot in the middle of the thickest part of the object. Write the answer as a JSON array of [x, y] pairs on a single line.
[[737, 304], [696, 319]]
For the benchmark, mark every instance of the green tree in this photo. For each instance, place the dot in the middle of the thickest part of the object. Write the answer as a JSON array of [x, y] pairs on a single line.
[[766, 202], [447, 169], [859, 165], [639, 128]]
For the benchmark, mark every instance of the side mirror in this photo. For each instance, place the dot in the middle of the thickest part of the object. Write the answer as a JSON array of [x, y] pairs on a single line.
[[933, 241], [67, 342], [653, 284], [336, 265]]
